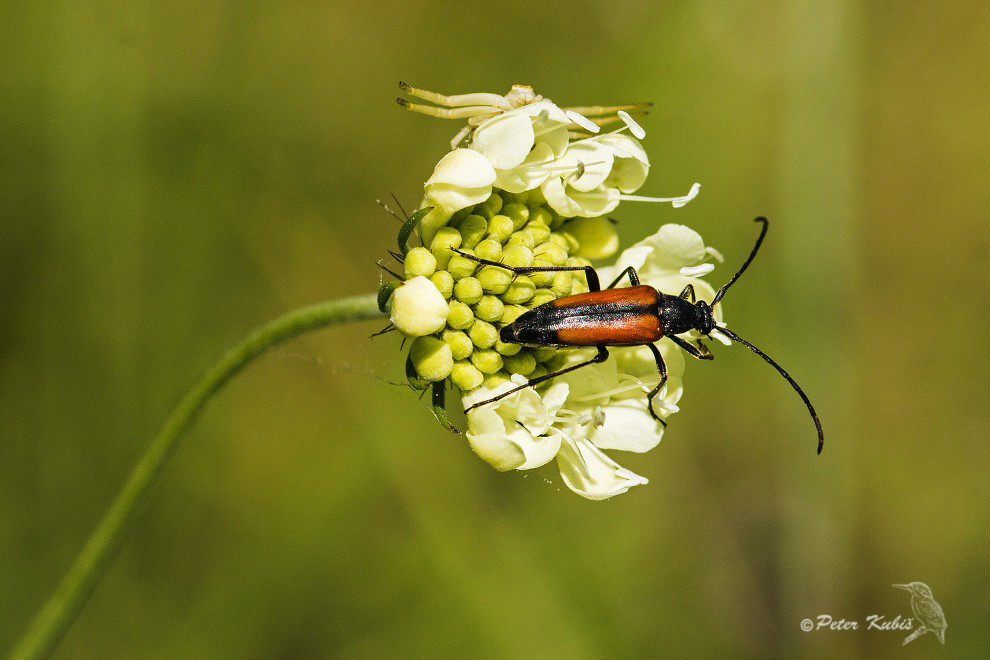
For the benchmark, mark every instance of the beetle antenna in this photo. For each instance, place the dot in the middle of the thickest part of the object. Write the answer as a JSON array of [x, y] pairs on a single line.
[[797, 388], [763, 232]]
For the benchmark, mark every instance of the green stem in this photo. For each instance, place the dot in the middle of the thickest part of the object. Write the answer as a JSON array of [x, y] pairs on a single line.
[[54, 619]]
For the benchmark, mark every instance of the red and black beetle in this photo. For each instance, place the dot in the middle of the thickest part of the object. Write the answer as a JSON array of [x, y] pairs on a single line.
[[638, 315]]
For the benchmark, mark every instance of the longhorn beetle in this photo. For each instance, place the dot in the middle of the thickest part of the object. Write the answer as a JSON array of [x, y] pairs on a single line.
[[637, 315]]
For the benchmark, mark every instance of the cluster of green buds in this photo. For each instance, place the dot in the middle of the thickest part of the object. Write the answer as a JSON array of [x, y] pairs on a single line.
[[515, 229]]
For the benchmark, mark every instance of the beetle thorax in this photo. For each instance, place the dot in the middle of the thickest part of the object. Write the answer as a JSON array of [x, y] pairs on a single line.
[[679, 315]]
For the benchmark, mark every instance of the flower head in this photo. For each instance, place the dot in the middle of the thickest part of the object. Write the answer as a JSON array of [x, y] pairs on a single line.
[[531, 188]]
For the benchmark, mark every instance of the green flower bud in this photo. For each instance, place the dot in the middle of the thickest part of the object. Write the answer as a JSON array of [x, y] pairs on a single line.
[[440, 247], [444, 282], [483, 334], [540, 215], [535, 198], [494, 279], [580, 262], [521, 290], [573, 244], [579, 283], [551, 252], [499, 228], [459, 215], [596, 238], [472, 230], [431, 358], [468, 290], [544, 353], [506, 349], [517, 256], [419, 261], [460, 344], [489, 308], [489, 207], [558, 238], [518, 213], [521, 238], [561, 283], [522, 363], [542, 279], [494, 380], [539, 231], [486, 361], [488, 249], [556, 363], [460, 316], [510, 313], [466, 376], [540, 370], [460, 266], [540, 297]]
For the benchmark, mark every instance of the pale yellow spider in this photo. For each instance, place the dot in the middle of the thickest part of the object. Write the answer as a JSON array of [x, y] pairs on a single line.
[[480, 106]]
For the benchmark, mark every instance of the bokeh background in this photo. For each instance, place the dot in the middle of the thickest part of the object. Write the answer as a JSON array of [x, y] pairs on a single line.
[[172, 175]]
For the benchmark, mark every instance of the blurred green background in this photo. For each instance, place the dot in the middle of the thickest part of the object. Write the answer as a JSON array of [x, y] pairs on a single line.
[[172, 175]]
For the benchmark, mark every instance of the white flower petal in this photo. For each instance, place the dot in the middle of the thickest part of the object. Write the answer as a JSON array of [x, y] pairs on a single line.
[[504, 140], [596, 202], [590, 160], [552, 133], [634, 256], [544, 108], [588, 383], [530, 173], [638, 364], [674, 247], [512, 433], [590, 473], [465, 168], [556, 196], [485, 421], [529, 409], [462, 178], [498, 450], [449, 199], [538, 450], [628, 426]]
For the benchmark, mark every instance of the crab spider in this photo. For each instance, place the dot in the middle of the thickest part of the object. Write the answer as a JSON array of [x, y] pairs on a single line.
[[481, 106]]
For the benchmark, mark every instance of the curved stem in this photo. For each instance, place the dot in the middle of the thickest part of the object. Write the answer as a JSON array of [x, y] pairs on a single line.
[[52, 622]]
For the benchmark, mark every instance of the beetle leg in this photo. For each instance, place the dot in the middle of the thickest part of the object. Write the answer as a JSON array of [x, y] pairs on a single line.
[[600, 357], [699, 352], [687, 293], [633, 277], [662, 369], [589, 272]]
